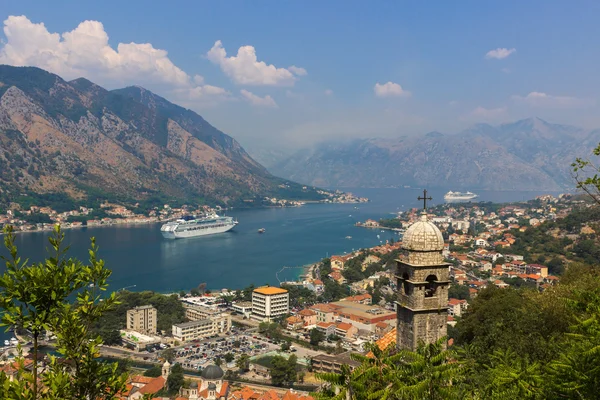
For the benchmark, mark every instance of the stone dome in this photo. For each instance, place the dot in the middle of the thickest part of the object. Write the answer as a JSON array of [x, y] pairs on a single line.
[[194, 385], [212, 373], [212, 386], [423, 235]]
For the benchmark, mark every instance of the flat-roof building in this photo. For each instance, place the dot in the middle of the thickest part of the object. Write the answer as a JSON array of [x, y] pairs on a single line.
[[243, 307], [203, 328], [269, 302], [142, 319]]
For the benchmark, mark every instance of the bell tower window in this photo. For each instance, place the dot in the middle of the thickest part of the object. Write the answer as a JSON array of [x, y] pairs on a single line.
[[430, 286]]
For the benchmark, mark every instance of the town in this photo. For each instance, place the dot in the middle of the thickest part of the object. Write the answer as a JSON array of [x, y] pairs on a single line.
[[39, 218], [255, 342]]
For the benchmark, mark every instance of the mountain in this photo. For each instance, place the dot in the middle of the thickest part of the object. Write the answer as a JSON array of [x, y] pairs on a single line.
[[79, 139], [530, 154]]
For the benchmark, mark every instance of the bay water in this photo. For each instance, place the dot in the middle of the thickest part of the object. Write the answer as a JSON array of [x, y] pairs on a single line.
[[141, 259]]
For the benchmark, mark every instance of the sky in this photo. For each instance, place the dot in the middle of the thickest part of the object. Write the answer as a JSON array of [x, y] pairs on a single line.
[[276, 74]]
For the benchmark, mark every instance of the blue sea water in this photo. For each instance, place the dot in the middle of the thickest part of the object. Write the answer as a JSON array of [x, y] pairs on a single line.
[[141, 259], [138, 254]]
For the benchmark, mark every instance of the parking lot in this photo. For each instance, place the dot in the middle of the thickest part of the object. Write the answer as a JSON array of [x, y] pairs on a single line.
[[198, 354]]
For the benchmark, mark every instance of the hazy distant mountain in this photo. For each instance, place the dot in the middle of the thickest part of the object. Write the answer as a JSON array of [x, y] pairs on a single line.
[[77, 138], [530, 154]]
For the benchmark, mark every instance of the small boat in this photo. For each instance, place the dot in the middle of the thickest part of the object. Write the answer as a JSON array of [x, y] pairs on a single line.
[[14, 341], [6, 343], [261, 230], [348, 237], [377, 236]]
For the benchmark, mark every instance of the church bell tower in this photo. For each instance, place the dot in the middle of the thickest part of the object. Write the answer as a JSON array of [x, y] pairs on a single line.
[[422, 282]]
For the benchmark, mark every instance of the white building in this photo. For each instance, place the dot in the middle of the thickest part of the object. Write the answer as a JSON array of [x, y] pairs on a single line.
[[202, 328], [243, 307], [269, 303], [142, 319]]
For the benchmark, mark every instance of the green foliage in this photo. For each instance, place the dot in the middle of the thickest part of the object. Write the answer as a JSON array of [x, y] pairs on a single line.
[[169, 311], [316, 336], [460, 292], [422, 374], [282, 371], [243, 362], [586, 175], [391, 223], [299, 295], [526, 322], [333, 291], [229, 357], [153, 372], [36, 218], [285, 346], [64, 296], [175, 379]]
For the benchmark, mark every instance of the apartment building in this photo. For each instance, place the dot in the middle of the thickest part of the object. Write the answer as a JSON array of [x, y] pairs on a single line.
[[269, 303], [203, 328], [142, 319]]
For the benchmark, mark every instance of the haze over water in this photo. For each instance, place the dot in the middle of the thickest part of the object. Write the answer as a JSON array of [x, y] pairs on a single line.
[[140, 256]]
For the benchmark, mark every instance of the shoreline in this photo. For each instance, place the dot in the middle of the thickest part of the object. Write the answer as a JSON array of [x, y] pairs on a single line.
[[49, 227]]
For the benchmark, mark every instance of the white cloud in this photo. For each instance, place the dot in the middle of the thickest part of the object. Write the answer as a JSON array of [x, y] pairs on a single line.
[[85, 52], [499, 53], [481, 114], [328, 92], [298, 71], [539, 99], [255, 100], [390, 89], [245, 69]]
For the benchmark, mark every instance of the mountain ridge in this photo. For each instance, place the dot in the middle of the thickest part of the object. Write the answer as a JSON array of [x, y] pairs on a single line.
[[79, 138], [529, 154]]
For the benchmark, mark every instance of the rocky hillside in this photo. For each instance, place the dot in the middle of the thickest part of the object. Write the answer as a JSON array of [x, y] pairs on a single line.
[[78, 138], [530, 154]]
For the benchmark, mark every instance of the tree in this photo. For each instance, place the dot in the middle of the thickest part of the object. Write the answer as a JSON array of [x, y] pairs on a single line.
[[283, 372], [513, 377], [168, 354], [460, 292], [153, 372], [182, 293], [285, 346], [195, 292], [316, 336], [36, 297], [175, 379], [218, 362], [426, 373], [243, 362], [229, 357], [587, 176]]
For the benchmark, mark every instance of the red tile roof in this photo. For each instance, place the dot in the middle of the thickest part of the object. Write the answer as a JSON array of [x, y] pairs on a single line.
[[153, 386]]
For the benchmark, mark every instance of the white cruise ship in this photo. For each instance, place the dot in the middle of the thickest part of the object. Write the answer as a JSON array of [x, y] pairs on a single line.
[[459, 196], [191, 226]]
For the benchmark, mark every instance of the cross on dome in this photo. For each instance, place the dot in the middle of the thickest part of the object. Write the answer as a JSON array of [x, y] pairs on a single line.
[[425, 198]]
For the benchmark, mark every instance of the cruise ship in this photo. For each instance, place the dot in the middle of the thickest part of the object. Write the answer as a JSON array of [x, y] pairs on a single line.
[[459, 196], [190, 226]]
